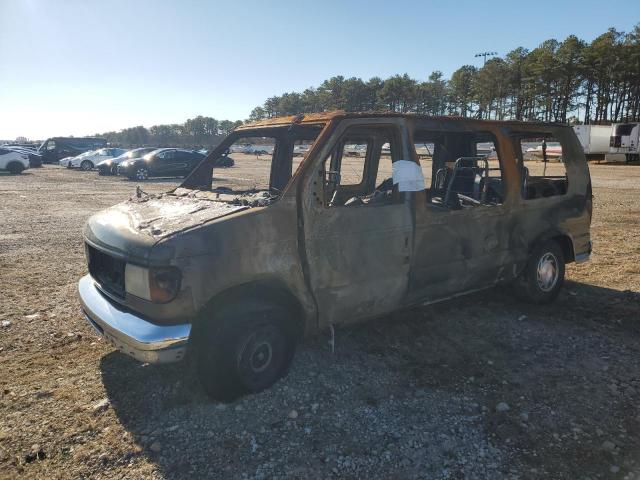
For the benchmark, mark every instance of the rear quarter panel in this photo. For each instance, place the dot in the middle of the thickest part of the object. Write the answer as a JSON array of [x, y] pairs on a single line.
[[568, 214]]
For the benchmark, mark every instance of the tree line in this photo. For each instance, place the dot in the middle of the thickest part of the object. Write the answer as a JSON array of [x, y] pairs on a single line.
[[198, 132], [569, 81]]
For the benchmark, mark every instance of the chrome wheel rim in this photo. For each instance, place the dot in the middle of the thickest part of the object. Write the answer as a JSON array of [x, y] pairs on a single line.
[[547, 272], [141, 174]]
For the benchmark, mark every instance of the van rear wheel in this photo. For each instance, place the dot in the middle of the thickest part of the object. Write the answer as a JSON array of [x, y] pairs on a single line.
[[236, 356], [543, 277]]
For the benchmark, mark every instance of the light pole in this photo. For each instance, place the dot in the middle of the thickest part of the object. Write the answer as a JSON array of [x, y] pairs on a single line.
[[484, 55]]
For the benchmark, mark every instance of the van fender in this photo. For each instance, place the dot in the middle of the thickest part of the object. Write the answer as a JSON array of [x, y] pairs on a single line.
[[257, 298], [564, 239]]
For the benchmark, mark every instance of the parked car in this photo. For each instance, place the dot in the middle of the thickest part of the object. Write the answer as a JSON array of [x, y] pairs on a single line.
[[300, 150], [55, 148], [164, 162], [87, 161], [66, 162], [238, 267], [250, 148], [26, 146], [12, 161], [355, 150], [35, 159], [110, 166]]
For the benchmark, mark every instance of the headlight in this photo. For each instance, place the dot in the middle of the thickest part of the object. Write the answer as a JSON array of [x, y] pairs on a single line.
[[159, 285]]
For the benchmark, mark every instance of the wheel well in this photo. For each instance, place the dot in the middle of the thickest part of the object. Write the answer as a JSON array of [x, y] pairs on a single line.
[[258, 297], [566, 245], [15, 163], [563, 240]]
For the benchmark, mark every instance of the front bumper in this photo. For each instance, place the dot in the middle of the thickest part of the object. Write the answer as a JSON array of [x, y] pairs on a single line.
[[133, 335]]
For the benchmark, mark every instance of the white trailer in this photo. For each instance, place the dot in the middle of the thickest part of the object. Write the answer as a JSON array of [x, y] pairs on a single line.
[[625, 139], [594, 140]]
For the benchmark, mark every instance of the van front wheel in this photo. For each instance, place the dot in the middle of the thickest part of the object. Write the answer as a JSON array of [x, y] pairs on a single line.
[[236, 356], [543, 277]]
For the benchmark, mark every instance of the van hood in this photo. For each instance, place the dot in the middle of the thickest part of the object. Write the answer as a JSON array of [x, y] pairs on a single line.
[[131, 228]]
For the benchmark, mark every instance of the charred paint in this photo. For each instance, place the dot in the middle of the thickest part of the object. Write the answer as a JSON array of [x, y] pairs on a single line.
[[341, 263]]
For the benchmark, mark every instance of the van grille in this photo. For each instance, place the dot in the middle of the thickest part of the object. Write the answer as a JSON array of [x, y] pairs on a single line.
[[108, 271]]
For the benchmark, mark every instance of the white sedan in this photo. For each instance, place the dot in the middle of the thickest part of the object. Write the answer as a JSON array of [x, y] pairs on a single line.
[[88, 160], [64, 162]]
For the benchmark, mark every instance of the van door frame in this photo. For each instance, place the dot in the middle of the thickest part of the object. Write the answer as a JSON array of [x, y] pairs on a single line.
[[356, 267], [457, 251]]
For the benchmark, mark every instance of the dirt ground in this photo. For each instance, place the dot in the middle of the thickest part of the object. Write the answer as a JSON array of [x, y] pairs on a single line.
[[479, 387]]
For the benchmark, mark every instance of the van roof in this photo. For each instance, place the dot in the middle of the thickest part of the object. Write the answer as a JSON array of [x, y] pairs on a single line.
[[322, 117]]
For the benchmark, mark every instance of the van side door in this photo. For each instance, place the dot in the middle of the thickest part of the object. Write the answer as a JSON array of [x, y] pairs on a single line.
[[357, 228], [463, 226]]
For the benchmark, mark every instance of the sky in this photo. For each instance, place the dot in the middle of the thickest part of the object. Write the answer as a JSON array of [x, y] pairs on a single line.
[[80, 67]]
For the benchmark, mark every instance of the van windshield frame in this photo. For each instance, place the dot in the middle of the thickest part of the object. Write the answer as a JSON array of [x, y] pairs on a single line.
[[281, 171]]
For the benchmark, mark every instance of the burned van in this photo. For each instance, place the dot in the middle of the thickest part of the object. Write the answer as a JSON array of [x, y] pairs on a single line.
[[382, 212]]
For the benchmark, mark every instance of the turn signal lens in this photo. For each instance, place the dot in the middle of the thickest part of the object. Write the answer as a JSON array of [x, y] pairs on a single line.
[[164, 284]]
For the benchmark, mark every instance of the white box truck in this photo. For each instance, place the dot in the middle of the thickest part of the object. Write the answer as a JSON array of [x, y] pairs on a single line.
[[625, 139], [594, 140]]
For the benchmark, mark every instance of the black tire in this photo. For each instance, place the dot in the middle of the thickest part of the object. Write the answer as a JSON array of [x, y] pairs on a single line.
[[15, 168], [543, 277], [86, 165], [237, 356]]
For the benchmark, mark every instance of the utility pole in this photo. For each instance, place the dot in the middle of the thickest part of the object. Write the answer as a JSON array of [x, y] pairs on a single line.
[[484, 55]]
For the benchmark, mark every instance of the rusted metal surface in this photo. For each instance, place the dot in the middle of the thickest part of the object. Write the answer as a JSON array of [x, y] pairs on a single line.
[[163, 216], [344, 263], [325, 117]]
